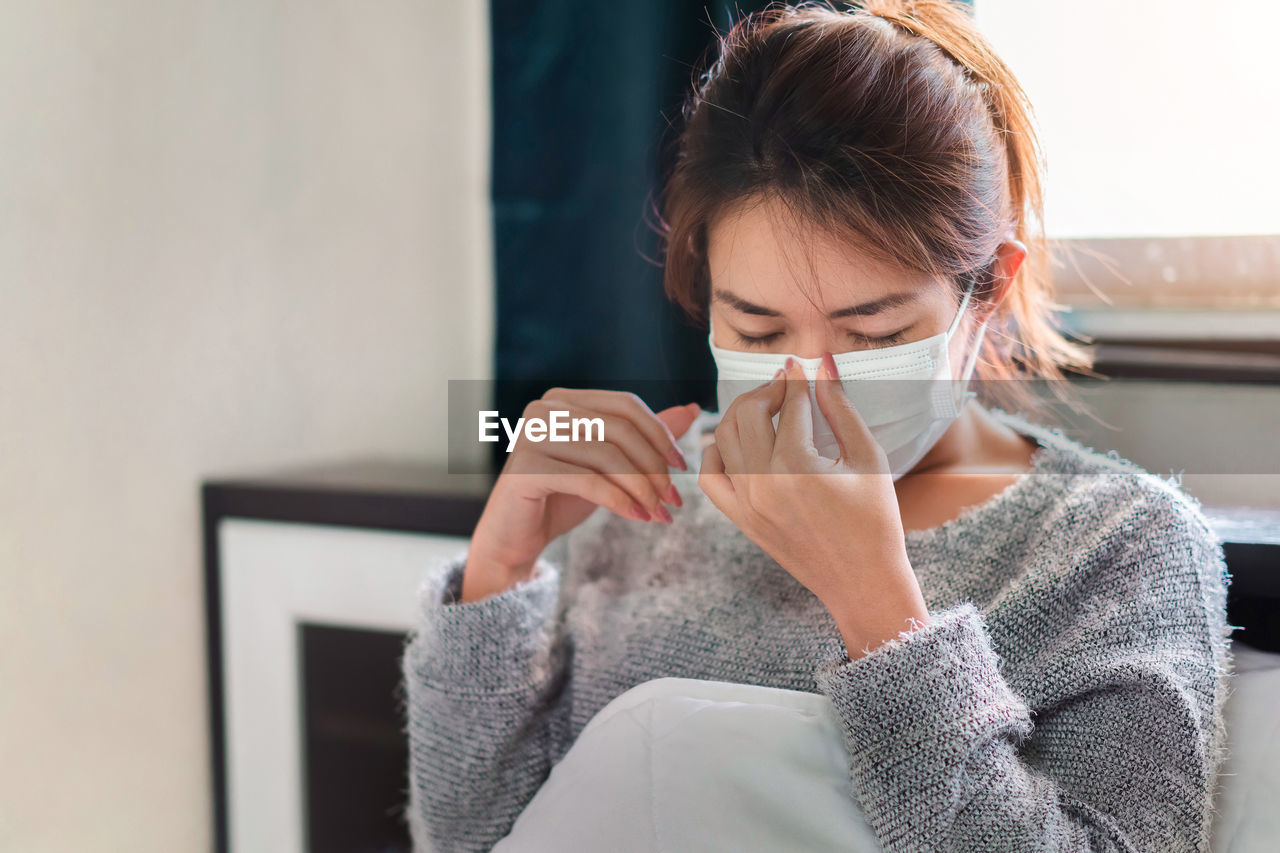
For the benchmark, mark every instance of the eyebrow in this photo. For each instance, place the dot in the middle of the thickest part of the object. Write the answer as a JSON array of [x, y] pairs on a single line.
[[893, 300]]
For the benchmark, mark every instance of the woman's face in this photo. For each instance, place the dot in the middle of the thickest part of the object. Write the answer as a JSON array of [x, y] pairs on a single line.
[[766, 298]]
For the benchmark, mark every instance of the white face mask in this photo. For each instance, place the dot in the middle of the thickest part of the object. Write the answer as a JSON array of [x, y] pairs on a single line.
[[906, 416]]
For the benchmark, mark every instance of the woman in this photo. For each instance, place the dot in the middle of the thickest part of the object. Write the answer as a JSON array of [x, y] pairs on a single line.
[[1026, 641]]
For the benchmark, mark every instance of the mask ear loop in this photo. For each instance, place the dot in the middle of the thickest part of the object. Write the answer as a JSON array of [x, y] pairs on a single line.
[[963, 397], [964, 302]]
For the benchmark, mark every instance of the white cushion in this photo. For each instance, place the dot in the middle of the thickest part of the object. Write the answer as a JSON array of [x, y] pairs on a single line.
[[684, 764], [1248, 819]]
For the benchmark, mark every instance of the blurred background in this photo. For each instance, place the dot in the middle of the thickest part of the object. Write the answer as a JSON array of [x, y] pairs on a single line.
[[241, 236]]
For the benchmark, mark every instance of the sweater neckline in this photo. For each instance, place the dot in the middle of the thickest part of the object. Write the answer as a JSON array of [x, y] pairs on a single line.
[[1043, 460]]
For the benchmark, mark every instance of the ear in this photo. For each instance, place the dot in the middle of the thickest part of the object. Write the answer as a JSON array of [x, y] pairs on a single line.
[[1008, 259]]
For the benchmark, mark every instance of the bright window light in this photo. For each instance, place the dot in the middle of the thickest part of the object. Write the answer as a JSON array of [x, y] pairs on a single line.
[[1158, 119]]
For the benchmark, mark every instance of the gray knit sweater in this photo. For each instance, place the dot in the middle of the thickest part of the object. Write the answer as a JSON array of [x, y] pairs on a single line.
[[1066, 695]]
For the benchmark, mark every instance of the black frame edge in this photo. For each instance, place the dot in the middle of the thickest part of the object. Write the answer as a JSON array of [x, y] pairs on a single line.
[[412, 512]]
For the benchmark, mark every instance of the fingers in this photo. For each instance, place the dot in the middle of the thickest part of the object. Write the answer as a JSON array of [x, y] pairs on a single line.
[[638, 448], [570, 479], [857, 444], [678, 419], [633, 409], [714, 482], [610, 462], [754, 413], [625, 456], [745, 434], [727, 443], [795, 421]]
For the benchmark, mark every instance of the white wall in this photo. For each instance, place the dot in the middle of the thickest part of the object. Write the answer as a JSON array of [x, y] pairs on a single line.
[[232, 235]]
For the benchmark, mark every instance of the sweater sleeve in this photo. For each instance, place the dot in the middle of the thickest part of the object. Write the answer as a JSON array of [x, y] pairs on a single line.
[[485, 689], [1124, 754]]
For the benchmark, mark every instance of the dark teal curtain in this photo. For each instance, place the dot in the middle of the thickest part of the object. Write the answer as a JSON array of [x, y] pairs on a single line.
[[584, 95]]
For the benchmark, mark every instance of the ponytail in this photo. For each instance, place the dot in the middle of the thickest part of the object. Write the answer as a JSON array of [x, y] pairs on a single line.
[[1040, 348]]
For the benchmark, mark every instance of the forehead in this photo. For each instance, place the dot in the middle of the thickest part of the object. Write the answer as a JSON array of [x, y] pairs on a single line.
[[762, 253]]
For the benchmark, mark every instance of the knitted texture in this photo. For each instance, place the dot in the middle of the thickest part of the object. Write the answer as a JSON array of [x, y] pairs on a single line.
[[1067, 693]]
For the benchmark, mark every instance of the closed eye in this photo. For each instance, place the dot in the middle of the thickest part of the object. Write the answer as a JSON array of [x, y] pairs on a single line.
[[765, 340], [760, 341], [886, 341]]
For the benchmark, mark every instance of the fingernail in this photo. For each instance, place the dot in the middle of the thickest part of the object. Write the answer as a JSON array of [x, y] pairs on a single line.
[[673, 497], [829, 362], [663, 515], [676, 458], [781, 373], [641, 513], [790, 363]]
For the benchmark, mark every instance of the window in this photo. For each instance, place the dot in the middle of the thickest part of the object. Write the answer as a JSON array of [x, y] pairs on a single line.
[[1160, 123]]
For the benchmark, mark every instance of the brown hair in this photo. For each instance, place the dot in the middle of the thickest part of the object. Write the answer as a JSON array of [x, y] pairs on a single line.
[[894, 125]]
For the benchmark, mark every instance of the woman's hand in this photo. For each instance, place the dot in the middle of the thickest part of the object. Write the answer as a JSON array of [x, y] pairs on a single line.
[[834, 524], [548, 488]]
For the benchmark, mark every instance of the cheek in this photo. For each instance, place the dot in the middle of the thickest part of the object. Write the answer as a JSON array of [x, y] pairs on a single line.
[[719, 331]]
